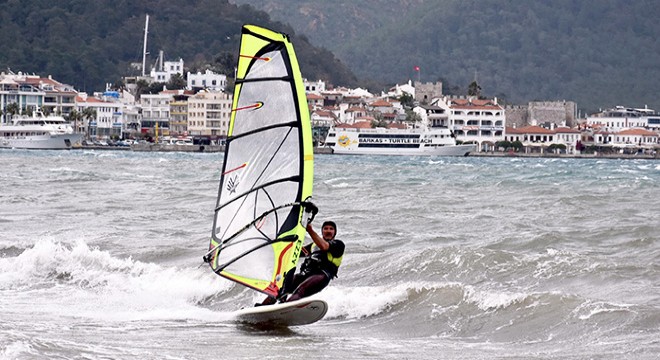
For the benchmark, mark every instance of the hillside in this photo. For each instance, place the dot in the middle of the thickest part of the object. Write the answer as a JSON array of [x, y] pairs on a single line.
[[599, 54], [90, 43]]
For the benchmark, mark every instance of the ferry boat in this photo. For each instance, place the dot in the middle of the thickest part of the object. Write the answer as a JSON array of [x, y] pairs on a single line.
[[381, 141], [38, 132]]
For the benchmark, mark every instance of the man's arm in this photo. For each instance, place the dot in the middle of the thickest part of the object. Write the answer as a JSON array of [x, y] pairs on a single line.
[[318, 240]]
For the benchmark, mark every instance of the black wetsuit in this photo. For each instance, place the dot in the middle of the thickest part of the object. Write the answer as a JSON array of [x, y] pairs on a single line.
[[317, 270]]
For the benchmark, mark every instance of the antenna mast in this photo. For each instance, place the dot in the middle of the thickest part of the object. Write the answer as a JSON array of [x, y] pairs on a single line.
[[144, 50]]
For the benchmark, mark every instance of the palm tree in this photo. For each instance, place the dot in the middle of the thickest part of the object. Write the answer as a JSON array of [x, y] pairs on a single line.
[[88, 114], [12, 109], [75, 116]]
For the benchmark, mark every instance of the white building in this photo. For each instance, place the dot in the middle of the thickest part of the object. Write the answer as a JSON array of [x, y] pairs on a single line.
[[620, 118], [156, 111], [207, 80], [209, 113], [628, 138], [164, 72], [108, 120], [536, 138], [314, 86], [432, 115], [398, 90], [481, 121], [13, 91], [32, 92]]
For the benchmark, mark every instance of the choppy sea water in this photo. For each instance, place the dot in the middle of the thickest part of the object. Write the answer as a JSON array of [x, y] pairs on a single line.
[[452, 258]]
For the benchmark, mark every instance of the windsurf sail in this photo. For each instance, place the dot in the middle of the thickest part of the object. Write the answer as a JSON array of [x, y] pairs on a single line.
[[267, 175]]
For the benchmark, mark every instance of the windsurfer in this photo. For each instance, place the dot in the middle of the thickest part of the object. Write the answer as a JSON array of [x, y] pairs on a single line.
[[322, 260]]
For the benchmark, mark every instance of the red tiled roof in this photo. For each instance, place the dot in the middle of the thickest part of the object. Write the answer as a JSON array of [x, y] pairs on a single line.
[[325, 113], [89, 100], [381, 103], [354, 108], [480, 104], [397, 126], [344, 126], [314, 97], [40, 80], [362, 125], [638, 132]]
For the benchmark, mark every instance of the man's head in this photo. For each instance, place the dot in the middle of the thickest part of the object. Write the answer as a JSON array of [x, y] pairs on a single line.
[[329, 230]]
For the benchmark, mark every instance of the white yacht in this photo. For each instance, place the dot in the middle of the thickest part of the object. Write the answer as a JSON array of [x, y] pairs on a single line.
[[382, 141], [38, 132]]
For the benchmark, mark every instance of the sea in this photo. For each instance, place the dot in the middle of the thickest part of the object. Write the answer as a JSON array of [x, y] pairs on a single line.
[[446, 258]]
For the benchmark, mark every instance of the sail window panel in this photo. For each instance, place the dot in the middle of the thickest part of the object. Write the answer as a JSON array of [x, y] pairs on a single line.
[[250, 246], [273, 67], [246, 209], [262, 158], [277, 106]]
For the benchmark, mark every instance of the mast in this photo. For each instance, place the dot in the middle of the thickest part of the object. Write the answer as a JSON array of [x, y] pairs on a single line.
[[144, 50]]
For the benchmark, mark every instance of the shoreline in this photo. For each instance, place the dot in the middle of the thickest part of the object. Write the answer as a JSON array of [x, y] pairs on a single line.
[[568, 156], [328, 151]]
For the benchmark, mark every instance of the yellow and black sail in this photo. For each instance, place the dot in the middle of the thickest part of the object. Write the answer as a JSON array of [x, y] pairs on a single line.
[[267, 175]]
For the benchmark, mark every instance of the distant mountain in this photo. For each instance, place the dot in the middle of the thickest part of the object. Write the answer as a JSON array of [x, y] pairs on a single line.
[[597, 53], [90, 43]]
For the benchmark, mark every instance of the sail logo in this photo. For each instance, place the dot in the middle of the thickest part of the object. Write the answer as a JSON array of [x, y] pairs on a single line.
[[232, 184]]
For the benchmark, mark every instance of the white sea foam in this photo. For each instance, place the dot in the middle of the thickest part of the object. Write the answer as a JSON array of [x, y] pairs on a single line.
[[489, 300], [590, 309], [17, 350], [94, 283]]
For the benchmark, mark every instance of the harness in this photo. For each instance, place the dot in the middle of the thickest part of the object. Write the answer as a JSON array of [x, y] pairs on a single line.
[[327, 263]]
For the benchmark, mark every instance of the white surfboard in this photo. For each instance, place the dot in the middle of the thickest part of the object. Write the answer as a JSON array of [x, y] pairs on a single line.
[[299, 312]]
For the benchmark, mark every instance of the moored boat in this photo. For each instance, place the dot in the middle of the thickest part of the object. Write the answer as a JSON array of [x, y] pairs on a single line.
[[38, 132], [382, 141]]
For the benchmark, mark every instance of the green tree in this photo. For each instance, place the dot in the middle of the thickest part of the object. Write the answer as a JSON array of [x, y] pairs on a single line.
[[407, 100], [412, 117], [142, 87], [74, 116], [156, 87], [88, 114], [474, 89], [503, 144], [517, 145], [176, 82], [12, 109]]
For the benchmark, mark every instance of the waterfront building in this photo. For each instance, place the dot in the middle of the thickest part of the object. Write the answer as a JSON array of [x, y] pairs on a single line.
[[480, 121], [58, 98], [629, 138], [15, 91], [569, 137], [32, 93], [621, 118], [209, 113], [156, 112], [107, 121], [179, 115], [432, 115]]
